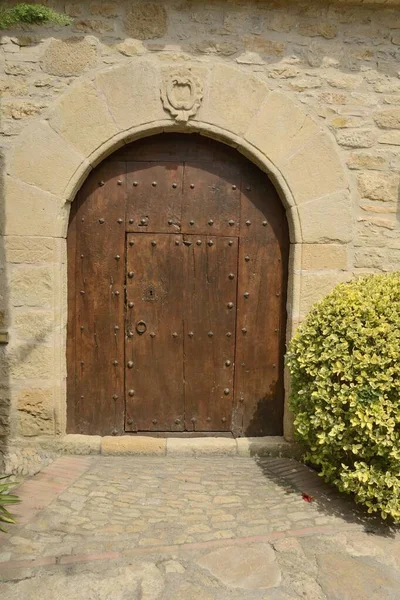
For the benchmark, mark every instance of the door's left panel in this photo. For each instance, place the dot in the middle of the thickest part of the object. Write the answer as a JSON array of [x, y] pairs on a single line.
[[96, 272]]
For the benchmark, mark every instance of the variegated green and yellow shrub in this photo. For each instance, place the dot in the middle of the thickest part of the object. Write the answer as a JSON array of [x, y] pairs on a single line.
[[345, 371]]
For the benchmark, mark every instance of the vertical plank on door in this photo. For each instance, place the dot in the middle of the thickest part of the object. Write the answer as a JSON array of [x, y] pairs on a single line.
[[154, 329], [210, 288], [154, 197], [211, 198], [261, 309], [99, 303]]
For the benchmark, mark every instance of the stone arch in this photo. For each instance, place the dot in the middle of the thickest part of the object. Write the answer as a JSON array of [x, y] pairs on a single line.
[[113, 106]]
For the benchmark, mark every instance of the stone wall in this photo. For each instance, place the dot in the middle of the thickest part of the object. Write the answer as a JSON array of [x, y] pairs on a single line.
[[338, 63]]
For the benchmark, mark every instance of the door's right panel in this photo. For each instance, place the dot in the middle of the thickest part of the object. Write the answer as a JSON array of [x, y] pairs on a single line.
[[210, 288], [261, 309]]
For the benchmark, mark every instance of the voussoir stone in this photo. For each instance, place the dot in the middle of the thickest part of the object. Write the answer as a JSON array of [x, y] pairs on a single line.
[[234, 97], [200, 446], [315, 170], [145, 445], [50, 169], [82, 118], [328, 219], [137, 101], [280, 127], [247, 568]]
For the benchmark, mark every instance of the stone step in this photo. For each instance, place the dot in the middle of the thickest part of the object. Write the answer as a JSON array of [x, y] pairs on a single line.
[[201, 446]]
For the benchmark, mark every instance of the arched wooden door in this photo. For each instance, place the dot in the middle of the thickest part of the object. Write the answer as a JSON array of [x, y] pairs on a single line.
[[177, 267]]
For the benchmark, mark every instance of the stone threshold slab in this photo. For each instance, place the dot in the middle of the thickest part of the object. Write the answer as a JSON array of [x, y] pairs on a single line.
[[154, 446]]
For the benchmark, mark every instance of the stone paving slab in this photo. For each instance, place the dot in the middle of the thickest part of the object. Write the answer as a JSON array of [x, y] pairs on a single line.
[[170, 528]]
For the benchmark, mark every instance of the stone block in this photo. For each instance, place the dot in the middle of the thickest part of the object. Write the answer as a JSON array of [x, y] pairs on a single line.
[[95, 26], [367, 160], [31, 286], [391, 138], [319, 29], [255, 43], [315, 170], [393, 258], [39, 213], [137, 101], [68, 57], [282, 21], [327, 220], [81, 117], [104, 9], [280, 127], [370, 258], [49, 169], [388, 118], [130, 47], [343, 81], [384, 187], [35, 325], [356, 138], [31, 361], [204, 446], [315, 286], [324, 257], [136, 445], [233, 100], [80, 444], [74, 9], [146, 20], [21, 249], [17, 109], [35, 411], [311, 82]]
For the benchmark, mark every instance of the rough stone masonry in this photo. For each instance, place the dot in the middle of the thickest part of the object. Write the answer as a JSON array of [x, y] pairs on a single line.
[[65, 91]]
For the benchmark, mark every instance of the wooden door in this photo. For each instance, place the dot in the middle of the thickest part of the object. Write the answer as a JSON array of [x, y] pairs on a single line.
[[154, 333], [177, 252], [209, 316]]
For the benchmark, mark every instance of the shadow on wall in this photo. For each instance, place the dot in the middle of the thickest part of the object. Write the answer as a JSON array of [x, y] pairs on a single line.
[[5, 401], [14, 354]]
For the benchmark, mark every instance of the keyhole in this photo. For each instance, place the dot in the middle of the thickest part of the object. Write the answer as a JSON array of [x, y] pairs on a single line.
[[151, 292]]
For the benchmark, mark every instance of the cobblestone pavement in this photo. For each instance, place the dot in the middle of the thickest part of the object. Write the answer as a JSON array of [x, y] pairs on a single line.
[[147, 528]]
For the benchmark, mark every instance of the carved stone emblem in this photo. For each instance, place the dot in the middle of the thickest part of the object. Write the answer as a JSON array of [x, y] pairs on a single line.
[[181, 94]]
